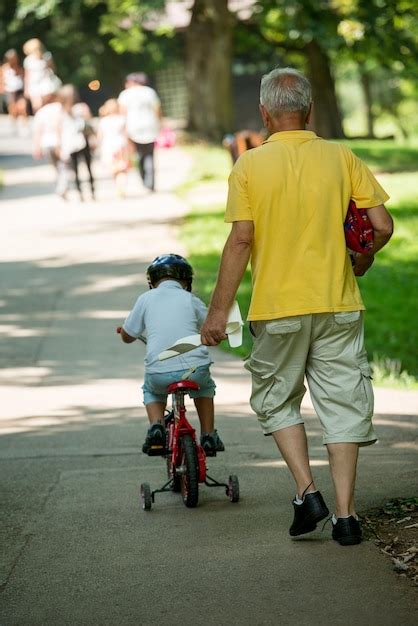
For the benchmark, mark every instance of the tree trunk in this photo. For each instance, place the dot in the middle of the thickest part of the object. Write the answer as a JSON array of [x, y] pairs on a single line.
[[208, 68], [365, 83], [327, 120]]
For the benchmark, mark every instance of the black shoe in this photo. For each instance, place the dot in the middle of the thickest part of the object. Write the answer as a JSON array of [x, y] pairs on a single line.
[[211, 443], [312, 510], [347, 531], [155, 441]]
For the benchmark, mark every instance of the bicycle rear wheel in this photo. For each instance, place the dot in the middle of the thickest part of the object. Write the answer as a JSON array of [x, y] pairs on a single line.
[[190, 477], [176, 485]]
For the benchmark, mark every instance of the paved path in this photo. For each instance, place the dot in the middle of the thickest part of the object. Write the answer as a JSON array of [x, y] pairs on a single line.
[[76, 547]]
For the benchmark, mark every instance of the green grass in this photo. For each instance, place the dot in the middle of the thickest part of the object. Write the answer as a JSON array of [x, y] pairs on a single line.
[[386, 155], [389, 289], [210, 164]]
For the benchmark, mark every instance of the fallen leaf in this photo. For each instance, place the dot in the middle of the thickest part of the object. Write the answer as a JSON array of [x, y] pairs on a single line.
[[399, 566], [408, 558]]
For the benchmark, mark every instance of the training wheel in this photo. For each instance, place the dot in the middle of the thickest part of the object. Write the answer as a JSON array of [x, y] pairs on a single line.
[[146, 499], [233, 488]]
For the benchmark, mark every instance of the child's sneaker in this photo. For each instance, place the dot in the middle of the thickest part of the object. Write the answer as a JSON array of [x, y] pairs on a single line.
[[155, 440], [211, 443]]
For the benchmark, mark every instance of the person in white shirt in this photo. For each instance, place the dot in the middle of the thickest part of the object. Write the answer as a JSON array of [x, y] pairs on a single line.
[[165, 314], [11, 78], [46, 139], [141, 106], [40, 78]]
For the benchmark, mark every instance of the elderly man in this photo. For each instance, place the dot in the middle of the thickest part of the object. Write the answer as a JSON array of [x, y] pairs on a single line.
[[287, 203]]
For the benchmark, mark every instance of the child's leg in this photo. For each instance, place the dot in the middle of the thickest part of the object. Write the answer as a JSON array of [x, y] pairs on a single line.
[[120, 180], [206, 413], [155, 439], [155, 412]]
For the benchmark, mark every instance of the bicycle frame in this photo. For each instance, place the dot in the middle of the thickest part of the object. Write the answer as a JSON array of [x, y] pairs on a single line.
[[185, 456], [180, 426]]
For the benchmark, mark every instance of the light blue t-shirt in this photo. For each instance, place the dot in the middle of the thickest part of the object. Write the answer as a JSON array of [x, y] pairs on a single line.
[[164, 315]]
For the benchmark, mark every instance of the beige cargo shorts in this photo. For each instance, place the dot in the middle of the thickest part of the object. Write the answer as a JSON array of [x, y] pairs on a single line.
[[327, 348]]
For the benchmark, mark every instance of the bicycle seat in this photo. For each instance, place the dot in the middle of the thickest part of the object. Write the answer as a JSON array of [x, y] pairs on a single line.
[[183, 385]]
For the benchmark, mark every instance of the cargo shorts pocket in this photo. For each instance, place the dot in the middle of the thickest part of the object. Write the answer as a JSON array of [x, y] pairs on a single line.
[[347, 318], [265, 385], [366, 388], [285, 326]]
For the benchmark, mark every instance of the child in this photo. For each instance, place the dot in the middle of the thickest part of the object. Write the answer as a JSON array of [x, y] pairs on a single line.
[[45, 139], [113, 141], [165, 314], [73, 145]]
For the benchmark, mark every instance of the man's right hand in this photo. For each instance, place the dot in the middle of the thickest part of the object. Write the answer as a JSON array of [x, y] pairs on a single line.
[[213, 330]]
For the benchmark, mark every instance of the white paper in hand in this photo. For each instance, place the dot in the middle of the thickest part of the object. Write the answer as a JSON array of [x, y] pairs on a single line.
[[185, 344], [234, 326]]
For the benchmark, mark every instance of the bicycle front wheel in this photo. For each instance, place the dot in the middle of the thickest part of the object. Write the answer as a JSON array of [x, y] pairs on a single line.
[[190, 476]]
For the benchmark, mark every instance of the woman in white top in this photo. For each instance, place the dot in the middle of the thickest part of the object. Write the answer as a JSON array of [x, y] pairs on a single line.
[[113, 142], [39, 73], [12, 84]]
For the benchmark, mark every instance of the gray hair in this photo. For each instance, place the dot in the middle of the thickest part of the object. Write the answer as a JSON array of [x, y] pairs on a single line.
[[285, 90]]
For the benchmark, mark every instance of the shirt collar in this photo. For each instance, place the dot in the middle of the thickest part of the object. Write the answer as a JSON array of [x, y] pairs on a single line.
[[285, 135], [169, 284]]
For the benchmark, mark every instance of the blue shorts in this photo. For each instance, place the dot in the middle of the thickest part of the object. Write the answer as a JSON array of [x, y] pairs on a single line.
[[155, 385]]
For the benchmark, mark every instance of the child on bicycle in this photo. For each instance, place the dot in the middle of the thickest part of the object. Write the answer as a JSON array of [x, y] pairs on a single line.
[[166, 313]]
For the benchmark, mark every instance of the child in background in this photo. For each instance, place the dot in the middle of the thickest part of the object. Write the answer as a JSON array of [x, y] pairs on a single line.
[[113, 142], [165, 314], [45, 139], [73, 145]]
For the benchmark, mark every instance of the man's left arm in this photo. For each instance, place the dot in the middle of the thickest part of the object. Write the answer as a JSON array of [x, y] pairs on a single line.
[[234, 261], [382, 223]]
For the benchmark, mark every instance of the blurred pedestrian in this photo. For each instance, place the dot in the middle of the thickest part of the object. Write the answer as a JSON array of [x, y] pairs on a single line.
[[40, 78], [73, 144], [142, 108], [113, 143], [46, 126], [12, 77]]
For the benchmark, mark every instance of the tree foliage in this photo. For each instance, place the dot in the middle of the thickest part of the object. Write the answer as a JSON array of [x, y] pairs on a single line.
[[106, 38], [89, 38]]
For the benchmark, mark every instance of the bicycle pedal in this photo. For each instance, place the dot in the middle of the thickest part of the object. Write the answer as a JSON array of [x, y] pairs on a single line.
[[156, 451]]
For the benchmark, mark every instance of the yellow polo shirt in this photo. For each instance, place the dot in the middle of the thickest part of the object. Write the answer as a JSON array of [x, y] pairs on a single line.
[[296, 188]]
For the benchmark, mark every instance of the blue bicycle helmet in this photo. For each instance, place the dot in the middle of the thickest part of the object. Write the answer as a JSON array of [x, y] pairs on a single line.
[[170, 266]]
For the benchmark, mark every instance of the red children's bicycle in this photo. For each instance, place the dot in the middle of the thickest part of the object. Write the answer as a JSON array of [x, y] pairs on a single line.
[[185, 457]]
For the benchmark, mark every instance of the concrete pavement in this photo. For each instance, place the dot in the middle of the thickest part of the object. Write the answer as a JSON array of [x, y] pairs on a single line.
[[76, 547]]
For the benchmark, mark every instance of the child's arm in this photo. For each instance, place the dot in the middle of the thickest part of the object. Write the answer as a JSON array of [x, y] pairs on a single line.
[[124, 335], [134, 322]]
